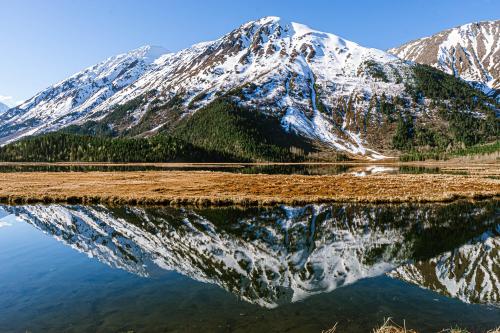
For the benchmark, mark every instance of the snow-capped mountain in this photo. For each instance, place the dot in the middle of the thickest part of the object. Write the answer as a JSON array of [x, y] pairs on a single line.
[[73, 99], [325, 88], [470, 51], [284, 68], [265, 256]]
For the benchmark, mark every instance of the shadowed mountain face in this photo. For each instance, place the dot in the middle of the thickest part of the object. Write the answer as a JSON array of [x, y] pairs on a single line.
[[278, 255]]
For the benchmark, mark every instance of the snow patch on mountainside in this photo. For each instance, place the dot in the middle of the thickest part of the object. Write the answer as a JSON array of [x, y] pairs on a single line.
[[289, 65]]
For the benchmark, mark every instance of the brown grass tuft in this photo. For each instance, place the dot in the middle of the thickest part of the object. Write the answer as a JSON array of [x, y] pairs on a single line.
[[331, 330], [390, 327], [455, 330]]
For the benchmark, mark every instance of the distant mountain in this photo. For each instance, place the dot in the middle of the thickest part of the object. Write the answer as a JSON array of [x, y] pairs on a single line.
[[329, 91], [470, 51]]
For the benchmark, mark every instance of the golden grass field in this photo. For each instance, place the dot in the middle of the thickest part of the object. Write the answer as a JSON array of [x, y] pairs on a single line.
[[223, 188]]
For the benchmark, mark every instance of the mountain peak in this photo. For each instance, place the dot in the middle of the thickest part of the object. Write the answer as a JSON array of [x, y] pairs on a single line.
[[269, 19], [295, 28]]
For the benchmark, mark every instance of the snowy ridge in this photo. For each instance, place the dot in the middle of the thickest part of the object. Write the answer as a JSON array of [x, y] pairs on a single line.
[[469, 273], [318, 85], [71, 100], [289, 66], [470, 51]]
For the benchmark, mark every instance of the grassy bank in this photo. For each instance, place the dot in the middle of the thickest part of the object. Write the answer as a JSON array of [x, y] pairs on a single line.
[[221, 188]]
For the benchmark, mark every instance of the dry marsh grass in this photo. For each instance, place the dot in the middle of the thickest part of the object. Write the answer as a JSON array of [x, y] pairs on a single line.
[[221, 188], [389, 326]]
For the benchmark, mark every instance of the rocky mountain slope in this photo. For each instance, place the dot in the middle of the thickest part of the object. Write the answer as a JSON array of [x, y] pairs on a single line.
[[328, 90], [264, 256], [470, 51]]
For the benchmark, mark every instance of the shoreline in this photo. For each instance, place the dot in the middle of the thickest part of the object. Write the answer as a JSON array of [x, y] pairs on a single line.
[[204, 188], [236, 164]]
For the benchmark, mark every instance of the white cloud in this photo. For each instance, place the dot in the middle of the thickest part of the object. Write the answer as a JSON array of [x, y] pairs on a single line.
[[6, 99], [9, 100]]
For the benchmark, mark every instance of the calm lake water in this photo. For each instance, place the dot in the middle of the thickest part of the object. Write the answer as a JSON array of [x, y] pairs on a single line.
[[301, 169], [284, 269]]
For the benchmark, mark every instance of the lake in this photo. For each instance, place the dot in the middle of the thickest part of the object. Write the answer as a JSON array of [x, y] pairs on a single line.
[[279, 269], [299, 169]]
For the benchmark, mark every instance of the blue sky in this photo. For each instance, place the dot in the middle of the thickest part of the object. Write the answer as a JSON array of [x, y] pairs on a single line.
[[43, 42]]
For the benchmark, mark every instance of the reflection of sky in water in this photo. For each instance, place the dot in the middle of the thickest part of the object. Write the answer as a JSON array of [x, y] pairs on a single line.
[[4, 224], [40, 275], [6, 219]]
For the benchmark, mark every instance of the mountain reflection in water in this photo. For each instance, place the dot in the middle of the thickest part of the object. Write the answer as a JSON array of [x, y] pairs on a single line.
[[272, 256]]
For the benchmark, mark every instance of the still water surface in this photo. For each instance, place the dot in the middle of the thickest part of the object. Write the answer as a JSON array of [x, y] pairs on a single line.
[[284, 269], [300, 169]]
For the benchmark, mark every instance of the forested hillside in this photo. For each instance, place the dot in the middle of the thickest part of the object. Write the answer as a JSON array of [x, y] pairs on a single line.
[[462, 117], [228, 129], [65, 147], [219, 132]]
